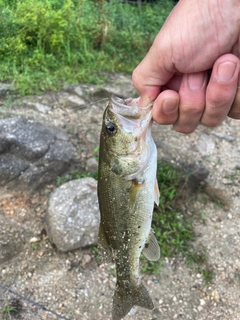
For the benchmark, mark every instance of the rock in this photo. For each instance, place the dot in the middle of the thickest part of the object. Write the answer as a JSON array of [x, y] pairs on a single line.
[[72, 88], [79, 91], [11, 168], [205, 144], [224, 136], [37, 106], [73, 214], [91, 165], [32, 153], [74, 101], [4, 89]]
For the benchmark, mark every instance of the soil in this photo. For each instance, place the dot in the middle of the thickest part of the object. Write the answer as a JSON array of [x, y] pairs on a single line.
[[43, 283]]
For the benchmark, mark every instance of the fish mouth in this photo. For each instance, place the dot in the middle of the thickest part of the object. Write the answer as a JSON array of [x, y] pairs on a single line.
[[137, 122], [132, 118], [129, 107]]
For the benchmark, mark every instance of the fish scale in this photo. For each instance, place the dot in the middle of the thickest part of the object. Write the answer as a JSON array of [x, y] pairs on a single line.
[[127, 189]]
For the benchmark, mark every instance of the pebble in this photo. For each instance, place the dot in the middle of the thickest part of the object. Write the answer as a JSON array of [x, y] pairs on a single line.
[[229, 216], [202, 302], [75, 101], [205, 144], [86, 259], [34, 239], [215, 295], [224, 136]]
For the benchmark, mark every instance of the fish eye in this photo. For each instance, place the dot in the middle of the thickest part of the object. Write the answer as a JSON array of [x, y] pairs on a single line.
[[111, 128]]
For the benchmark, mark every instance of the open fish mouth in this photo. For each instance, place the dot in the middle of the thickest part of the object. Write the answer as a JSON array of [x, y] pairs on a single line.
[[132, 118]]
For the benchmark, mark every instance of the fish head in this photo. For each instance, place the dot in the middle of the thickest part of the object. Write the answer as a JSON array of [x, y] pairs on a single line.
[[126, 135]]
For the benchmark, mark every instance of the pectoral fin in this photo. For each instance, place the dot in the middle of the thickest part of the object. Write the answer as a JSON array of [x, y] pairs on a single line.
[[156, 193], [151, 250], [104, 250]]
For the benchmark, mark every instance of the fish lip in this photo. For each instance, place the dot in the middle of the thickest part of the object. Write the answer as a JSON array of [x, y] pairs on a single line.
[[131, 118], [128, 107]]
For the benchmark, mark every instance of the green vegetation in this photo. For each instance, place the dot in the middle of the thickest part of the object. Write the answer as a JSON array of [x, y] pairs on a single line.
[[9, 310], [172, 226], [76, 175], [44, 43]]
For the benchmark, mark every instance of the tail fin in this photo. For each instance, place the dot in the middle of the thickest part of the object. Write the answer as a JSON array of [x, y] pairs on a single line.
[[123, 301]]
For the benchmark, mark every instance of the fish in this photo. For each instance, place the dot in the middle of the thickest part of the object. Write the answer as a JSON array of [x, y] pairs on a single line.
[[127, 190]]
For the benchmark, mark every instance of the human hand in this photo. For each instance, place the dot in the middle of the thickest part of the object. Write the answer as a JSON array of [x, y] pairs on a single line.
[[192, 68]]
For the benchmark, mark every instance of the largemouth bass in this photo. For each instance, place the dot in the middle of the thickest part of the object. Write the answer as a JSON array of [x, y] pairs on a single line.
[[127, 189]]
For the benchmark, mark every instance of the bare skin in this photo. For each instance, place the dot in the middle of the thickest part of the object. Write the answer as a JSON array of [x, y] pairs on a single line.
[[192, 69]]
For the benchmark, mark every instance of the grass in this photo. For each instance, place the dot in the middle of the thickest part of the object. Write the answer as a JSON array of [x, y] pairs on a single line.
[[172, 226], [46, 43], [9, 310], [76, 175]]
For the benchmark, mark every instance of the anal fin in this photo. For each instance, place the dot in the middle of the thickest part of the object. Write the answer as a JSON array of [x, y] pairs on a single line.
[[151, 249]]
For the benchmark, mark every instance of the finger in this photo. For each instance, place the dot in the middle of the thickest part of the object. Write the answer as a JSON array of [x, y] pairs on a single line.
[[165, 107], [192, 101], [221, 90], [235, 108], [150, 75]]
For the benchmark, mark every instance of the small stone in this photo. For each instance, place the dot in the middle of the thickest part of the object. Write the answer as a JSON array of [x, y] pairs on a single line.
[[91, 165], [34, 239], [75, 102], [215, 295], [79, 91], [202, 302], [37, 106], [205, 144], [224, 136], [229, 216], [86, 259]]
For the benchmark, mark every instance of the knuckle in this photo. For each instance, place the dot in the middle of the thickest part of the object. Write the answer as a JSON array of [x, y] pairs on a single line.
[[136, 76], [220, 99], [192, 109]]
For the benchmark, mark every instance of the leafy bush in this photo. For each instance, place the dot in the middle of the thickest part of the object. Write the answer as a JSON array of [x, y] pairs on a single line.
[[44, 43]]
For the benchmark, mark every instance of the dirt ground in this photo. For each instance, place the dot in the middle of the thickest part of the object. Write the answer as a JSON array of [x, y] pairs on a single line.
[[43, 283]]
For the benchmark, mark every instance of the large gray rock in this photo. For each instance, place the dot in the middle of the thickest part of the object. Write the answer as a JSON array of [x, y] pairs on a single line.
[[73, 214], [31, 154]]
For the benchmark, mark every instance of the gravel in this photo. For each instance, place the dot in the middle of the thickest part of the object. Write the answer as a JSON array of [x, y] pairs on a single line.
[[76, 286]]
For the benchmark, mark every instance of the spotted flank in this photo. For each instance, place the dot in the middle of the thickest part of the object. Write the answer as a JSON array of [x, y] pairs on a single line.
[[127, 190]]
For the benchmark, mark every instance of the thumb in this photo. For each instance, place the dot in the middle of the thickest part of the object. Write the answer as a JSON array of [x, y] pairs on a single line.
[[151, 74]]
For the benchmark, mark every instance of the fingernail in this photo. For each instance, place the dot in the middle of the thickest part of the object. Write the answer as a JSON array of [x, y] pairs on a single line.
[[196, 80], [226, 71], [169, 105]]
